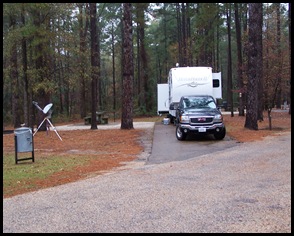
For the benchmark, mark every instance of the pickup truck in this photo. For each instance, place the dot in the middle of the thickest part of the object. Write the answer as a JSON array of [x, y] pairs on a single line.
[[199, 114]]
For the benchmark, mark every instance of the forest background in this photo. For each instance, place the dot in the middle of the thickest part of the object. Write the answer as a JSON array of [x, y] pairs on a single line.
[[48, 53]]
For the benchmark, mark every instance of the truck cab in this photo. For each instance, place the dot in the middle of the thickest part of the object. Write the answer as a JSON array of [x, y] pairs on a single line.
[[199, 114]]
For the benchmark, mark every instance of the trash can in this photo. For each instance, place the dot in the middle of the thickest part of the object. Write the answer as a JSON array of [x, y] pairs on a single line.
[[166, 121], [23, 138]]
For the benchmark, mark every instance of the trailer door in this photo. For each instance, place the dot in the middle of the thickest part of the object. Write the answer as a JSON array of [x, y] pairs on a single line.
[[162, 98]]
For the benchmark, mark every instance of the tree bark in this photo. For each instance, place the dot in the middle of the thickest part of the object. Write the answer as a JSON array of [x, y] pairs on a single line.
[[254, 64], [113, 71], [83, 33], [94, 64], [230, 82], [279, 52], [240, 63], [127, 64]]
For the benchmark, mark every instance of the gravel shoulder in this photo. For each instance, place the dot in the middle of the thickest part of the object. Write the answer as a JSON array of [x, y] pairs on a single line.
[[247, 188]]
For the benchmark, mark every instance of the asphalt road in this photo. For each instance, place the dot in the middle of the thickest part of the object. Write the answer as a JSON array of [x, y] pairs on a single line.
[[242, 188], [166, 147]]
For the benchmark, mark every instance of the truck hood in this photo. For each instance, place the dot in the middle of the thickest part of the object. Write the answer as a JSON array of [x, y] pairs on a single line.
[[201, 112]]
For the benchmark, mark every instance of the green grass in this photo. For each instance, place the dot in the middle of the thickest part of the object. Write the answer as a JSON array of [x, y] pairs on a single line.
[[23, 174]]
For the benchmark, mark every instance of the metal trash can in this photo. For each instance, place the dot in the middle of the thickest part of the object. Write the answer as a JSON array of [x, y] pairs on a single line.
[[23, 138], [166, 121]]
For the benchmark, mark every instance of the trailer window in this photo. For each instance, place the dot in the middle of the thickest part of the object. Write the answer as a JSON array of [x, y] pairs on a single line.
[[215, 83]]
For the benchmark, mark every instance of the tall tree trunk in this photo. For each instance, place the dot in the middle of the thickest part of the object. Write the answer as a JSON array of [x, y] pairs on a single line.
[[165, 63], [184, 35], [142, 57], [94, 64], [189, 37], [240, 64], [244, 26], [179, 29], [260, 93], [140, 47], [140, 83], [127, 64], [230, 82], [254, 63], [267, 85], [113, 70], [99, 80], [217, 63], [83, 27], [279, 52]]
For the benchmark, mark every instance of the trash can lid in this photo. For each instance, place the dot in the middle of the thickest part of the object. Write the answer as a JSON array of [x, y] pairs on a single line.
[[22, 129]]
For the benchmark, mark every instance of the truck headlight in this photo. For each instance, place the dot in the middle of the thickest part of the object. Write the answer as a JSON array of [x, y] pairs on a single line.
[[184, 119], [218, 118]]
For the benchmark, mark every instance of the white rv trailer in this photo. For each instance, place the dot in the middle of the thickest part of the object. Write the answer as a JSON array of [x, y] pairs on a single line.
[[187, 81]]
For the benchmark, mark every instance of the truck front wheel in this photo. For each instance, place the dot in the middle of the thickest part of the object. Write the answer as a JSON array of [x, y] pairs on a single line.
[[220, 135], [180, 134]]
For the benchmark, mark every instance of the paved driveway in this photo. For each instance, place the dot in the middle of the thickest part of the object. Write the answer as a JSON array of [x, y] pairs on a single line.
[[166, 147]]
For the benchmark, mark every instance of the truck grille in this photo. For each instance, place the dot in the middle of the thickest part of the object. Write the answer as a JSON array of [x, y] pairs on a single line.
[[201, 120]]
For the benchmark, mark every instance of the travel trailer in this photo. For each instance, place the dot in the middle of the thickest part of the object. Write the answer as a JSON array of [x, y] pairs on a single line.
[[184, 81]]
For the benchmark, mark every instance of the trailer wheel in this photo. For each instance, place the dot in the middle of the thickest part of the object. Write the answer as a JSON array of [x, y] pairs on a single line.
[[180, 134]]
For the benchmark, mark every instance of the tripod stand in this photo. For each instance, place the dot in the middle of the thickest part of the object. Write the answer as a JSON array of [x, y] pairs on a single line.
[[48, 113]]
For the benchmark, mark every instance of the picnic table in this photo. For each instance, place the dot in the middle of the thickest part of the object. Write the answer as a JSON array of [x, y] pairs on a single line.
[[101, 118]]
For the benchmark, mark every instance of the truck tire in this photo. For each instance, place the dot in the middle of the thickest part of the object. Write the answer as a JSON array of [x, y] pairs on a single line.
[[220, 135], [180, 134]]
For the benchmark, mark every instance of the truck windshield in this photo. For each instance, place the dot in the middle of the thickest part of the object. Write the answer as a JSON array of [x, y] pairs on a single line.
[[199, 102]]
